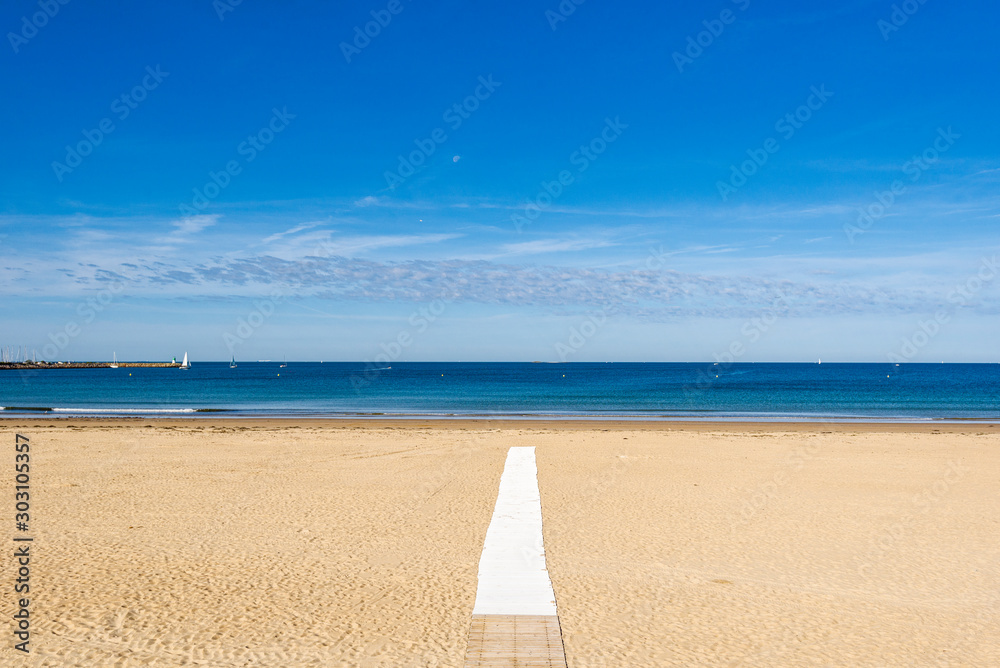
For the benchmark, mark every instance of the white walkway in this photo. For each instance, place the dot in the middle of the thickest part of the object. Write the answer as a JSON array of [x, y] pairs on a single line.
[[514, 621]]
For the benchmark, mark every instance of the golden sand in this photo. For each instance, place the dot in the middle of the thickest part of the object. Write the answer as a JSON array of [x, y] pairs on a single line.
[[239, 543]]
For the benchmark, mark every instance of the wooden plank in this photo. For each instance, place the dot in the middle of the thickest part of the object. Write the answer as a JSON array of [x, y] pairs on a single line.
[[521, 641]]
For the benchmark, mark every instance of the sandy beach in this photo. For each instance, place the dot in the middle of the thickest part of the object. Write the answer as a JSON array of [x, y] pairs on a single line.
[[352, 543]]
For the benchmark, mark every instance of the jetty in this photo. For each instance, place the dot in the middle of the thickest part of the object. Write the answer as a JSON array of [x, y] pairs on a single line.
[[32, 366]]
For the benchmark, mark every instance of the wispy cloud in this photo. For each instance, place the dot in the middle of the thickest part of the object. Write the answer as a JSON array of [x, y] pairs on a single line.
[[655, 295], [554, 246], [187, 228], [289, 232], [352, 245]]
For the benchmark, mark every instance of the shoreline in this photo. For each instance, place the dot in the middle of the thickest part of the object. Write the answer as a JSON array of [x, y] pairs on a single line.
[[231, 414], [506, 424]]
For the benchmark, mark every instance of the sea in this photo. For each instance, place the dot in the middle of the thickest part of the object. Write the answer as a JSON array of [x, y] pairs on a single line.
[[507, 390]]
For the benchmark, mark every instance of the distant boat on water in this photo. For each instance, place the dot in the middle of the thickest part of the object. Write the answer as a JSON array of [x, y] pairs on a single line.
[[114, 364], [185, 364], [284, 363], [232, 365]]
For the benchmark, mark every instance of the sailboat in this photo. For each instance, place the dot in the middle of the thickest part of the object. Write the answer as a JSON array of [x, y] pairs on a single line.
[[185, 364], [284, 362], [232, 365], [114, 364]]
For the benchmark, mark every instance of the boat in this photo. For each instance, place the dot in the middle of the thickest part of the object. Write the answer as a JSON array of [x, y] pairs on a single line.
[[283, 364], [185, 364], [232, 365], [114, 364]]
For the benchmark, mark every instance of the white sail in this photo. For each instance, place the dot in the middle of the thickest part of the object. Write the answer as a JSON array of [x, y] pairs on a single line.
[[185, 364], [114, 364]]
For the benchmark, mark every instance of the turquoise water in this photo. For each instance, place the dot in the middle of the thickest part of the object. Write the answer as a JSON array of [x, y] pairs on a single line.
[[637, 390]]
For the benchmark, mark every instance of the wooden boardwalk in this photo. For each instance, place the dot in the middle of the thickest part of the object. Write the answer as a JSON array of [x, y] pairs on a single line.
[[514, 621], [525, 641]]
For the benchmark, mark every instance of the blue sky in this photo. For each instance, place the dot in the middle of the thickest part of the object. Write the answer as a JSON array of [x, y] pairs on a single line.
[[483, 181]]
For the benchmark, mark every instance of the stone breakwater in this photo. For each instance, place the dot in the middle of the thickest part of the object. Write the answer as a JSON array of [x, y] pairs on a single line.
[[85, 365]]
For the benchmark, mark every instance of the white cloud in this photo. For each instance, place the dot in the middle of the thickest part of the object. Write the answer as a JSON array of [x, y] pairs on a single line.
[[294, 230], [656, 295], [554, 246], [194, 224], [186, 228]]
